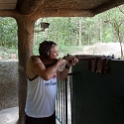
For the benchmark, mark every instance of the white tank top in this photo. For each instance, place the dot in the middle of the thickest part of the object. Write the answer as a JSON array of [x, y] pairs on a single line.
[[41, 97]]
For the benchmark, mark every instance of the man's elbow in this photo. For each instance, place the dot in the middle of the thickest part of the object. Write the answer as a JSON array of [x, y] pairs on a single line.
[[46, 77]]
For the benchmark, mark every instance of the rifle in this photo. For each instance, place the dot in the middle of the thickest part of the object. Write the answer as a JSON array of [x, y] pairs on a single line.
[[69, 58]]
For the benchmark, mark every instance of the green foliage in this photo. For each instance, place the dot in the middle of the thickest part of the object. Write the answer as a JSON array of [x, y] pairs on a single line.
[[8, 31], [6, 53], [69, 33]]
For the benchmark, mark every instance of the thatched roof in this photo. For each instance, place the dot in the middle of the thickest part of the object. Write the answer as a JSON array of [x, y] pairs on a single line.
[[63, 8]]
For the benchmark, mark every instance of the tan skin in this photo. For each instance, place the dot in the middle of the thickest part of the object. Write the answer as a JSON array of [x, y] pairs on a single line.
[[36, 66]]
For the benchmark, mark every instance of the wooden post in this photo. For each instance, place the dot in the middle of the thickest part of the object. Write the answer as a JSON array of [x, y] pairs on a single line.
[[25, 42]]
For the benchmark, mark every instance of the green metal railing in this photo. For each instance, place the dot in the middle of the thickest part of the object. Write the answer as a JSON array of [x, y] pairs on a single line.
[[62, 102]]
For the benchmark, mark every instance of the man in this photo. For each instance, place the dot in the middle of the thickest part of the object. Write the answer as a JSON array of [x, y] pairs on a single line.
[[43, 71]]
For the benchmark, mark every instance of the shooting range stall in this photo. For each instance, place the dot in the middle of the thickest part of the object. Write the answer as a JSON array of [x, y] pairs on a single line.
[[96, 98]]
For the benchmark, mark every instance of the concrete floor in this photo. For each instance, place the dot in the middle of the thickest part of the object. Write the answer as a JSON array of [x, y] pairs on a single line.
[[9, 115]]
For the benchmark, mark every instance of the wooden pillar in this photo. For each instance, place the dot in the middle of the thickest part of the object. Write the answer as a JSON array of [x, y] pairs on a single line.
[[25, 42]]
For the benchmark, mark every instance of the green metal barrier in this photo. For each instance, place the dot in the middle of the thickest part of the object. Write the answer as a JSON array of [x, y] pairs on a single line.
[[98, 98]]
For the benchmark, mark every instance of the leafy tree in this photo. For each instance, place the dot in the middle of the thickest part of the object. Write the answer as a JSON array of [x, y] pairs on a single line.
[[8, 31], [70, 33]]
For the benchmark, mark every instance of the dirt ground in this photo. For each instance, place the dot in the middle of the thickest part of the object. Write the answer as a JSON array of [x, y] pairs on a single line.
[[106, 49]]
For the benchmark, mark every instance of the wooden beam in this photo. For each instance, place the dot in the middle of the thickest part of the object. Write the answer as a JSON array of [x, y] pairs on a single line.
[[108, 5], [30, 6], [49, 13], [9, 13], [64, 13], [8, 1], [25, 43], [7, 6]]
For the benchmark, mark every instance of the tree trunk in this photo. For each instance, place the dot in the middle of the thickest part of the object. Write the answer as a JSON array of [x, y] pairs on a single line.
[[80, 31], [100, 35], [100, 29], [25, 43]]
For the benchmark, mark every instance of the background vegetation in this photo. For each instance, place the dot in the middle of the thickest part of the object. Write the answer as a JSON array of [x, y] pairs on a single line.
[[69, 33]]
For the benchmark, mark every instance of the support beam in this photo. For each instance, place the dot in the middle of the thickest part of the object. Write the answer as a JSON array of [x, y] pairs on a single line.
[[107, 5], [49, 13], [25, 43], [64, 13], [8, 13], [30, 6]]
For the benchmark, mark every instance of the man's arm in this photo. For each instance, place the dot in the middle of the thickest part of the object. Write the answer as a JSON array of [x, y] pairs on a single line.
[[39, 68]]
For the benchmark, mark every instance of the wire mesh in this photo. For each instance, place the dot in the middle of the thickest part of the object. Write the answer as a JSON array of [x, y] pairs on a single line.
[[61, 102]]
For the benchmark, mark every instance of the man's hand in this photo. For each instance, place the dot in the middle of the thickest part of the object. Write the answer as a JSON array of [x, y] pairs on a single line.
[[61, 62], [72, 62]]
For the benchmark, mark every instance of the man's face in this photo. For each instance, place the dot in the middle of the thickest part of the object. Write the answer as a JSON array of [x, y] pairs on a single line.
[[54, 52]]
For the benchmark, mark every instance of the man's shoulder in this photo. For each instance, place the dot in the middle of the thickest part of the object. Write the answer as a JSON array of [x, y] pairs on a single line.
[[34, 59]]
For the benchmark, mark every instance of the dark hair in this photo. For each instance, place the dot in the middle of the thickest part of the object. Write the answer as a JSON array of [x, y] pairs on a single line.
[[45, 48]]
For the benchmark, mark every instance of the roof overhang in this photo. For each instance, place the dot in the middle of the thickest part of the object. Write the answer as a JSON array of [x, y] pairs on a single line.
[[56, 8]]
